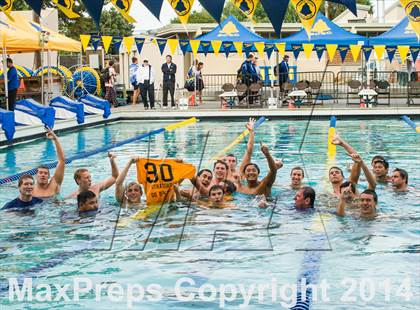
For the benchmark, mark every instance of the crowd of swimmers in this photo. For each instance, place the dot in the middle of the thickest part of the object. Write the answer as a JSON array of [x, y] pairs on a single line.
[[215, 188]]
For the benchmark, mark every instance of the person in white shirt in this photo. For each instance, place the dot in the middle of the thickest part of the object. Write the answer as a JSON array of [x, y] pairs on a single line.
[[146, 80]]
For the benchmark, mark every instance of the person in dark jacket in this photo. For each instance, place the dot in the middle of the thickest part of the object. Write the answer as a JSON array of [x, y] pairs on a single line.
[[168, 70], [282, 71], [12, 84]]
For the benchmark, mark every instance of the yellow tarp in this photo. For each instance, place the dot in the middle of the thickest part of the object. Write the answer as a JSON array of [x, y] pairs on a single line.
[[56, 41], [16, 40]]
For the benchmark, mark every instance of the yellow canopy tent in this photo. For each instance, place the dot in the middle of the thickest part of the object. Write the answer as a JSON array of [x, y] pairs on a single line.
[[15, 40]]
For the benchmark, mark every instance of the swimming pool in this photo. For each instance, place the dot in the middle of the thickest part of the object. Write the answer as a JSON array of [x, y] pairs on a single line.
[[216, 253]]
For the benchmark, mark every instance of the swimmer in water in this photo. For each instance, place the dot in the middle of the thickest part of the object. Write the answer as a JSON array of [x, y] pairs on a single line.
[[25, 198], [367, 202], [305, 198], [251, 172], [380, 169], [83, 179], [399, 180], [217, 198], [131, 194], [296, 177], [45, 186], [87, 201], [220, 172], [201, 184]]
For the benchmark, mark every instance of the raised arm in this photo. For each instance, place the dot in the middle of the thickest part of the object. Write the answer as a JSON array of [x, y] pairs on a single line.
[[341, 206], [270, 178], [111, 180], [337, 140], [59, 170], [250, 145], [355, 169], [369, 176], [119, 183]]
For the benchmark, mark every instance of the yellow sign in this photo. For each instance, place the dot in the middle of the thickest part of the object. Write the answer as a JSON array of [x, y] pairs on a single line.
[[307, 11], [182, 8]]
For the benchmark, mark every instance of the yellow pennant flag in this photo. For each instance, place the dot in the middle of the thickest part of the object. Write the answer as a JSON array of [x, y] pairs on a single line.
[[124, 6], [106, 41], [216, 46], [379, 51], [6, 7], [355, 51], [85, 39], [247, 7], [307, 11], [281, 47], [182, 8], [307, 49], [195, 44], [238, 46], [66, 7], [403, 51], [173, 44], [331, 49], [128, 43], [259, 46], [412, 10]]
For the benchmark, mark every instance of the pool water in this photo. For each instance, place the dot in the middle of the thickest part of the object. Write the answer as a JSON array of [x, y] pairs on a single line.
[[367, 264]]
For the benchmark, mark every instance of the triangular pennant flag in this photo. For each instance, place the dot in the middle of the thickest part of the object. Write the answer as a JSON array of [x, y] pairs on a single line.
[[307, 49], [247, 7], [139, 44], [128, 43], [319, 49], [214, 7], [182, 8], [259, 46], [281, 48], [85, 39], [216, 46], [205, 45], [355, 51], [248, 48], [367, 50], [173, 44], [343, 50], [6, 8], [227, 46], [116, 41], [238, 46], [106, 42], [403, 51], [154, 6], [390, 50], [66, 7], [276, 11], [379, 51], [414, 52], [307, 11], [124, 8], [36, 5], [183, 45], [94, 9], [161, 43], [412, 10], [269, 48], [331, 49], [95, 40], [296, 48], [195, 44]]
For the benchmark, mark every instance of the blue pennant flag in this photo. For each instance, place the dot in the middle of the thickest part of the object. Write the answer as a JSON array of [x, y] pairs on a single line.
[[343, 50], [296, 48], [268, 49], [276, 11], [414, 52], [367, 50], [227, 46], [214, 7], [95, 41], [116, 41], [183, 45], [205, 45], [139, 43], [247, 46], [161, 44], [319, 49], [154, 6], [390, 50], [35, 5], [94, 9]]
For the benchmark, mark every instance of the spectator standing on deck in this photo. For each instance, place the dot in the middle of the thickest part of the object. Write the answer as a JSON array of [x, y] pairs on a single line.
[[168, 70], [12, 84], [109, 75], [133, 79], [282, 71], [146, 80]]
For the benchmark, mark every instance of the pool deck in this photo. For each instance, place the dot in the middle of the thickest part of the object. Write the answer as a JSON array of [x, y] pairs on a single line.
[[212, 111]]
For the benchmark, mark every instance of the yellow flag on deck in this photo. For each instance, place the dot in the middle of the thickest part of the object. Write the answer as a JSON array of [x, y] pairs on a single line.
[[238, 46], [85, 39], [355, 51], [216, 46], [379, 51], [173, 44], [403, 51], [128, 43], [106, 41], [307, 11], [66, 7], [307, 49], [182, 8], [247, 7], [331, 49], [124, 6], [281, 47], [412, 10]]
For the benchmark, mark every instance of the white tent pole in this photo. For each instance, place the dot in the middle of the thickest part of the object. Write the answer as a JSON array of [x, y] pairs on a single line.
[[49, 76], [42, 66], [6, 87]]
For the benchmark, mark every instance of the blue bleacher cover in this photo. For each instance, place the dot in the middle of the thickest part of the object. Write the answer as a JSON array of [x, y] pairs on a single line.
[[70, 105]]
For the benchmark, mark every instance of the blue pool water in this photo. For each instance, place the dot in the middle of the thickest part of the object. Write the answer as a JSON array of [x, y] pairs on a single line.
[[367, 264]]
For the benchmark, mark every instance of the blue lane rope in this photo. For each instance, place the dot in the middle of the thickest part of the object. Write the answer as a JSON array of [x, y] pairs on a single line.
[[33, 171]]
